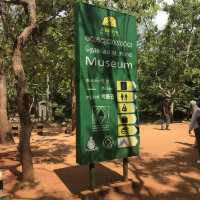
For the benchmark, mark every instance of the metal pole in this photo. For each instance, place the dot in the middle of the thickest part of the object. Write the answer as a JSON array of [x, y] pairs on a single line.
[[125, 169], [92, 175]]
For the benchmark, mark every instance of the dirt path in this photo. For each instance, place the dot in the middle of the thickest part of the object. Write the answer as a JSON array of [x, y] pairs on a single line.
[[165, 170]]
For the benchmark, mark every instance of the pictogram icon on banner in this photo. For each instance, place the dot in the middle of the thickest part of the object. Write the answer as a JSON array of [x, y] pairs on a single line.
[[125, 96], [127, 119], [126, 108], [126, 86], [126, 130], [124, 142]]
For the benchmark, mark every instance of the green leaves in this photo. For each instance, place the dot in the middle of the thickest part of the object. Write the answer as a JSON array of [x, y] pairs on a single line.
[[167, 59]]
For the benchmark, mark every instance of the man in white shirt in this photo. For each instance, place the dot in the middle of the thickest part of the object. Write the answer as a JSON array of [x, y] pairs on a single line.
[[195, 124], [165, 113], [193, 106]]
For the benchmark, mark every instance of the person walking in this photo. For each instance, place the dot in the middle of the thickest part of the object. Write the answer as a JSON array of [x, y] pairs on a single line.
[[192, 108], [165, 113], [195, 125]]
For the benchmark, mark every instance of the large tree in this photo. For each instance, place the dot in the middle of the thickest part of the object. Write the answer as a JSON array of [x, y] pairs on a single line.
[[21, 85], [49, 52], [5, 128]]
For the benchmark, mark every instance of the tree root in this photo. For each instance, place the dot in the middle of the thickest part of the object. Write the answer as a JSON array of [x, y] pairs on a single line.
[[25, 185]]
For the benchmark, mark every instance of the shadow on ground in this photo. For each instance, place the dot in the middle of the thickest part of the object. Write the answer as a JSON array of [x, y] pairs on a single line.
[[178, 167], [77, 178], [51, 154], [45, 197]]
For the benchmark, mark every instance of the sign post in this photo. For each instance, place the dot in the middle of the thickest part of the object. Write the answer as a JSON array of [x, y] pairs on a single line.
[[92, 175], [106, 86], [125, 169]]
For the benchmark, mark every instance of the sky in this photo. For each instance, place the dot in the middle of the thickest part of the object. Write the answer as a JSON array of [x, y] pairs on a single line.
[[161, 19]]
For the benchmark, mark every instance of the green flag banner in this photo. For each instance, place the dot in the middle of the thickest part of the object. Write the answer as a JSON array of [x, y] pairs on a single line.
[[106, 84]]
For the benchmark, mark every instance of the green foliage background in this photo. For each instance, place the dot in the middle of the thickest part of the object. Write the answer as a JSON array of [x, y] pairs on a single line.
[[168, 60]]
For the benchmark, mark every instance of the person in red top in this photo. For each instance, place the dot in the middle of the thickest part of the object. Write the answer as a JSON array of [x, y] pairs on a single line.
[[165, 113]]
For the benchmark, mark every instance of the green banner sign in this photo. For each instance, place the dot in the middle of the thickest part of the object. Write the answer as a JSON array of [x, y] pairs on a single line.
[[107, 121]]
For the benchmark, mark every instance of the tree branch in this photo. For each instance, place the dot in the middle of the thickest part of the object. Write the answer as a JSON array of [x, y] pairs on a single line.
[[16, 2], [31, 8], [5, 22]]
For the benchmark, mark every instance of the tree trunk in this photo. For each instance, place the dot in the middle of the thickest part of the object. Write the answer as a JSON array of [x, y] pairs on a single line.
[[5, 128], [73, 100], [22, 92], [188, 50]]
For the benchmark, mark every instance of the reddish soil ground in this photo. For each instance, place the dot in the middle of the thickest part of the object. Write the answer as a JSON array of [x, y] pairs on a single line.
[[165, 170]]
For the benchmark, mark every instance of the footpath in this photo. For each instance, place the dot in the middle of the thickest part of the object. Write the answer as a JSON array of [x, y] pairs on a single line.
[[165, 170]]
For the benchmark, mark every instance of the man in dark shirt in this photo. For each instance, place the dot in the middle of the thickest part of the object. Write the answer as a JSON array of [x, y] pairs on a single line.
[[165, 113]]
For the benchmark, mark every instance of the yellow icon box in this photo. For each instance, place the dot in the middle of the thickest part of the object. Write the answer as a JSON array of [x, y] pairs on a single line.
[[125, 96], [127, 130], [124, 108], [127, 119], [126, 85], [124, 142]]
